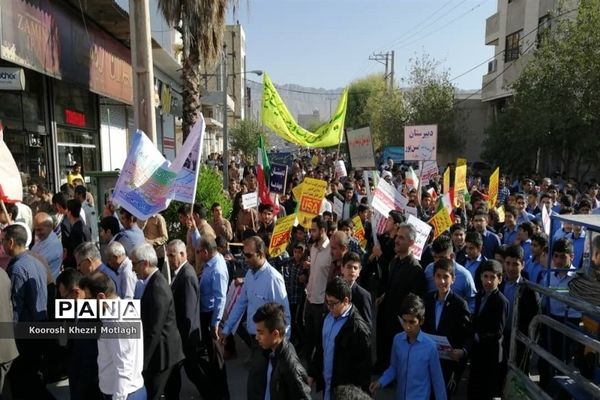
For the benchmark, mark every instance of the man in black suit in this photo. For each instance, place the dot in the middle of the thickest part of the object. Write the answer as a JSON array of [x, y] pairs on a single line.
[[184, 286], [79, 233], [162, 343], [447, 314]]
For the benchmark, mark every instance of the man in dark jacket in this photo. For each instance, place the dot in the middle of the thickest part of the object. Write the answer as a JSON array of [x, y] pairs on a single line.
[[162, 342], [284, 377], [343, 355]]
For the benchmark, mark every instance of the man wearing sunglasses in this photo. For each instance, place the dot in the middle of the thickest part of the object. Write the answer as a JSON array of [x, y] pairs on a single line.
[[262, 284]]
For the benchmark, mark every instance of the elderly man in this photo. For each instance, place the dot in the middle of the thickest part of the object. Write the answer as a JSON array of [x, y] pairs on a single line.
[[339, 244], [87, 257], [121, 266], [47, 244], [162, 343]]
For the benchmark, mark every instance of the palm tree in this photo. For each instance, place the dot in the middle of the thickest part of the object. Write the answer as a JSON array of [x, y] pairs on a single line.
[[201, 24]]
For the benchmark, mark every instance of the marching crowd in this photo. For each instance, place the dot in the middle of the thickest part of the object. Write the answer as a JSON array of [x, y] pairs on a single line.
[[313, 317]]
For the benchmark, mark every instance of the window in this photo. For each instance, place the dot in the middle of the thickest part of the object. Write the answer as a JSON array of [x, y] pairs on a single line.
[[512, 49]]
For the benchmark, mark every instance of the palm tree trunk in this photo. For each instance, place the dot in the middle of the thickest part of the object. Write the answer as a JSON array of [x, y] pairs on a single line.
[[191, 88]]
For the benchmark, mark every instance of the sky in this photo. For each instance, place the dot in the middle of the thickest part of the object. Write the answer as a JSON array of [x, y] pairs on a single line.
[[327, 43]]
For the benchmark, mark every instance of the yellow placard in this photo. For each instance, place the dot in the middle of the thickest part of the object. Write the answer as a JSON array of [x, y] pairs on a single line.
[[313, 192], [500, 211], [493, 187], [297, 191], [282, 233], [460, 180], [441, 222], [461, 161], [359, 231], [314, 161], [446, 181]]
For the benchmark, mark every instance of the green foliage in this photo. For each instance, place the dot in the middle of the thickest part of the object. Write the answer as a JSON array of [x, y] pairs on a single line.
[[359, 93], [556, 109], [208, 191], [244, 136], [388, 112]]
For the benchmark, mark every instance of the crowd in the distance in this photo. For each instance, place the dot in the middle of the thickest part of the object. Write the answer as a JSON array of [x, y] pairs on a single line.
[[313, 317]]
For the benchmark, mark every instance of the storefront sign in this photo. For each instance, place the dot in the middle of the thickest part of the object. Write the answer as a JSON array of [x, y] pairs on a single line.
[[75, 118], [52, 40], [12, 79]]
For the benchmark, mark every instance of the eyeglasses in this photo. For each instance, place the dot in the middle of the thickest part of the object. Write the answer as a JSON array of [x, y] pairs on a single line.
[[331, 304], [249, 255]]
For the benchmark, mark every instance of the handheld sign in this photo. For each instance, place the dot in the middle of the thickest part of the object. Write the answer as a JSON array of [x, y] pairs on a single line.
[[249, 200], [278, 181]]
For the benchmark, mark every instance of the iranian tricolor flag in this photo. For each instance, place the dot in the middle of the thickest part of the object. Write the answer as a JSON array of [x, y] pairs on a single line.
[[412, 180], [263, 173], [446, 201]]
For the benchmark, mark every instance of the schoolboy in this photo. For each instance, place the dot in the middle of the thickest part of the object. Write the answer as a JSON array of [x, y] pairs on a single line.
[[447, 314], [415, 363], [489, 319], [284, 376], [509, 231], [537, 264], [524, 234], [361, 299], [295, 277], [473, 246]]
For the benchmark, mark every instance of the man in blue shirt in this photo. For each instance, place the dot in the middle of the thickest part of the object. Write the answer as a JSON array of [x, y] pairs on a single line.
[[213, 292], [131, 236], [343, 355], [464, 286], [262, 284], [490, 239], [29, 293]]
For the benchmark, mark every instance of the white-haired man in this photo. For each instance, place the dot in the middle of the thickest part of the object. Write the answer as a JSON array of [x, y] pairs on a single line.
[[120, 264]]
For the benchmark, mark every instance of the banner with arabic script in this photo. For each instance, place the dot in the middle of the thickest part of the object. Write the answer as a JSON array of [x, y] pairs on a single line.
[[420, 143], [276, 116], [360, 145]]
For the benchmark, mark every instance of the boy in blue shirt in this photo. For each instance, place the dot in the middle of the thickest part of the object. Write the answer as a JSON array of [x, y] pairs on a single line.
[[414, 363]]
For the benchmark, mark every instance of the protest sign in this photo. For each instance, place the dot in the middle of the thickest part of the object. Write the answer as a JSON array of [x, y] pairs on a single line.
[[412, 180], [188, 163], [281, 158], [249, 200], [461, 161], [396, 153], [338, 207], [313, 191], [443, 346], [546, 223], [423, 230], [493, 188], [360, 146], [282, 232], [11, 186], [460, 180], [411, 211], [359, 231], [446, 181], [501, 214], [297, 192], [441, 222], [278, 180], [430, 169], [340, 169], [420, 143], [386, 198]]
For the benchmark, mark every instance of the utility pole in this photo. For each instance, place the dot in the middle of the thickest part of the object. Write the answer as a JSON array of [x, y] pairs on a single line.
[[225, 132], [141, 63], [386, 59]]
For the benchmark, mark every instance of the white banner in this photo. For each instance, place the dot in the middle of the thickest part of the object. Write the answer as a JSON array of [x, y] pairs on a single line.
[[386, 198], [420, 143], [338, 207], [184, 188], [430, 169], [340, 169], [423, 230], [360, 145], [250, 200]]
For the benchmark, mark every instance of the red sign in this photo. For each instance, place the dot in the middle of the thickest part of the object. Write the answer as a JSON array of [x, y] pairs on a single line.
[[76, 118]]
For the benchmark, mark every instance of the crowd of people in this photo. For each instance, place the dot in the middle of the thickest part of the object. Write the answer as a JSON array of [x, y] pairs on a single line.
[[314, 317]]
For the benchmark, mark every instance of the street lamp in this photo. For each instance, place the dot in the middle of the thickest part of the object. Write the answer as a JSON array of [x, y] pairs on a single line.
[[225, 112]]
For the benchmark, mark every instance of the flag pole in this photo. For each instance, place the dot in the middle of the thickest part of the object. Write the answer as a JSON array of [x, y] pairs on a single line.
[[5, 212]]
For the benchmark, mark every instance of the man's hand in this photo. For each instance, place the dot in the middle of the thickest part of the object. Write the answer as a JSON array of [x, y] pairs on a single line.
[[311, 381], [377, 251], [457, 354], [214, 332], [221, 336], [379, 299], [238, 281], [374, 386]]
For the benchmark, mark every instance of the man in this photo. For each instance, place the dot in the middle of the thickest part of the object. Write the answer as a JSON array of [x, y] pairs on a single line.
[[47, 245], [91, 217], [374, 276], [87, 257], [29, 303], [350, 206], [523, 215], [320, 264], [343, 354], [339, 244], [405, 276], [213, 294], [8, 348], [162, 343], [491, 241], [334, 192], [266, 222], [220, 225], [262, 284], [156, 234], [200, 226], [78, 234], [62, 227], [364, 213], [82, 367], [110, 230], [457, 233], [187, 316], [120, 264], [131, 236], [120, 359]]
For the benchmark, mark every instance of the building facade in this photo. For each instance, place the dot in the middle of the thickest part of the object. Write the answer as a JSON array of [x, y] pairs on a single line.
[[75, 104]]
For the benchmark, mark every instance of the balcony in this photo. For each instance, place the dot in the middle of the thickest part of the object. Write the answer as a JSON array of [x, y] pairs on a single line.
[[491, 30]]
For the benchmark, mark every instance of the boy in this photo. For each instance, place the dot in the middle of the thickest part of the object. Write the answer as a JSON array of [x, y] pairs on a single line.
[[509, 231], [413, 347], [447, 314], [490, 239], [524, 234], [489, 319], [343, 353], [474, 258], [537, 264], [295, 277], [361, 299], [528, 302], [284, 376]]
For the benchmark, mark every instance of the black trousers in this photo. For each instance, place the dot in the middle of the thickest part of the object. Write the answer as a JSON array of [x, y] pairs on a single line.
[[155, 382], [25, 374], [313, 316], [217, 372]]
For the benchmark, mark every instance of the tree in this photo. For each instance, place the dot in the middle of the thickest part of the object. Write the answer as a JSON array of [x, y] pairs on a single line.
[[244, 137], [388, 113], [201, 24], [430, 98], [359, 93], [555, 112]]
